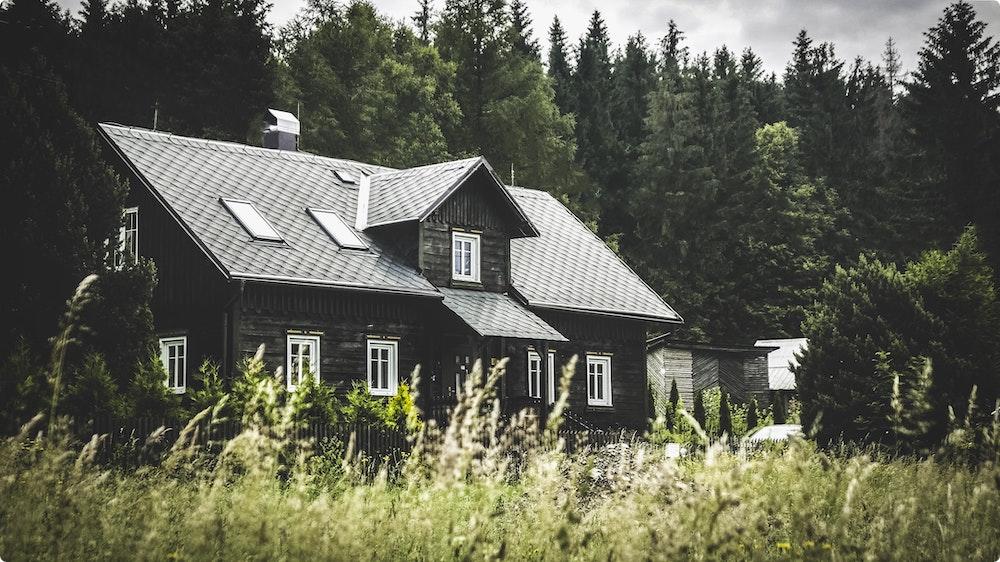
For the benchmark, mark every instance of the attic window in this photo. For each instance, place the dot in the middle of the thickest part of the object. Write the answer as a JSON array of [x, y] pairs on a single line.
[[251, 219], [345, 176], [342, 234]]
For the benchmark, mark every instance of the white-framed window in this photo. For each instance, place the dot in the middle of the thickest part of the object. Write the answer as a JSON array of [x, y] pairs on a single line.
[[343, 235], [535, 375], [465, 256], [383, 377], [303, 359], [173, 355], [598, 380], [128, 237]]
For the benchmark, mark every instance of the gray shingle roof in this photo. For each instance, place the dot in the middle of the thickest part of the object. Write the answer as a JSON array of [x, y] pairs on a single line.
[[496, 314], [569, 267], [565, 267], [192, 174], [403, 195]]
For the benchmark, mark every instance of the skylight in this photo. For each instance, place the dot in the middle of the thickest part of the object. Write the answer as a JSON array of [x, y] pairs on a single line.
[[342, 234], [345, 176], [251, 219]]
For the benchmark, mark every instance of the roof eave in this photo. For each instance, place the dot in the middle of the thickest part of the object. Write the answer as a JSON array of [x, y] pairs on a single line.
[[559, 307], [326, 283]]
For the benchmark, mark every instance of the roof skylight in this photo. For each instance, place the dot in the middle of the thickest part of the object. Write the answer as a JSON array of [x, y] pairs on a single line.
[[345, 176], [251, 219], [342, 234]]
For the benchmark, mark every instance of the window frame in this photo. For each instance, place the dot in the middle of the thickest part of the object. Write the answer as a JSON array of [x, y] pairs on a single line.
[[165, 344], [227, 202], [392, 379], [123, 231], [475, 244], [314, 341], [535, 356], [592, 399], [316, 213]]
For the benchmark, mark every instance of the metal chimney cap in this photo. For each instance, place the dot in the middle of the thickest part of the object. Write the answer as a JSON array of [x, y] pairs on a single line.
[[283, 121]]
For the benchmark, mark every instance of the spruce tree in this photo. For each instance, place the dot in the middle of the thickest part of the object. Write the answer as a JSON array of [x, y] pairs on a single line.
[[522, 39], [675, 395], [752, 415], [725, 416], [422, 19], [559, 69], [699, 409], [953, 111]]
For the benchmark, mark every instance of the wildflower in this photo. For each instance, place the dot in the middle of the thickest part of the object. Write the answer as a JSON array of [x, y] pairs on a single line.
[[784, 546]]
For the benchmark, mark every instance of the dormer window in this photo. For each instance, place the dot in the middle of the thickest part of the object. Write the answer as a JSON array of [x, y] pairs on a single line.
[[251, 220], [465, 257]]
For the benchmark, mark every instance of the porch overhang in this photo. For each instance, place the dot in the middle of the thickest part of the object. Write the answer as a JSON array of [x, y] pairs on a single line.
[[497, 315]]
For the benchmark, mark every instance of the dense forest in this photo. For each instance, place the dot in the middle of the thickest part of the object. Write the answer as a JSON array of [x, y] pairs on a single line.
[[742, 197]]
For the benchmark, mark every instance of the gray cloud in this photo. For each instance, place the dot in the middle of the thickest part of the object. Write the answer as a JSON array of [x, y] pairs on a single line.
[[856, 27]]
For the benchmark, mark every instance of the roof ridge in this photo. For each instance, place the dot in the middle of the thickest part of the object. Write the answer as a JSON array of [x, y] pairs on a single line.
[[193, 142], [425, 166]]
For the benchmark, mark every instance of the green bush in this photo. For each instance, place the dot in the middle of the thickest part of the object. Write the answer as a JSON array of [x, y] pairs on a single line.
[[873, 321]]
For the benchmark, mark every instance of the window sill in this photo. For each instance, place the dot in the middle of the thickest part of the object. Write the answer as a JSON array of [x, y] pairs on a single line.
[[600, 408], [461, 284]]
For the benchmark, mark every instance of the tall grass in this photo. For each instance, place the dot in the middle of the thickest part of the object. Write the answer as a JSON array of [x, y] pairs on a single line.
[[472, 492]]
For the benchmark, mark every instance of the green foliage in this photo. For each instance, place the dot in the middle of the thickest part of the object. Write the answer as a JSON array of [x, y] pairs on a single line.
[[699, 408], [147, 396], [751, 417], [92, 393], [313, 402], [401, 411], [675, 395], [942, 307], [208, 391], [725, 416], [361, 407]]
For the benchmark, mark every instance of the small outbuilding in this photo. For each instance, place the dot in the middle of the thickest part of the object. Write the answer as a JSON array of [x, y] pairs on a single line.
[[780, 364], [740, 370]]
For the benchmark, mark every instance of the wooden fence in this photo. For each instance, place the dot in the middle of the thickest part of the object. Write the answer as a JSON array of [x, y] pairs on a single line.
[[138, 441]]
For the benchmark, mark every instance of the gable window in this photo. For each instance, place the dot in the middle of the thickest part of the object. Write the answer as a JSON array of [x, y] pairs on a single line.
[[173, 355], [128, 237], [303, 359], [382, 367], [465, 256], [343, 235], [535, 375], [598, 380], [251, 220]]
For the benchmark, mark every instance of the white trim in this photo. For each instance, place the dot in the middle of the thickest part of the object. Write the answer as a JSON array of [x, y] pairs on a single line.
[[364, 192], [313, 341], [550, 374], [328, 220], [603, 397], [392, 377], [552, 377], [165, 345], [475, 242], [123, 230], [534, 357], [273, 236]]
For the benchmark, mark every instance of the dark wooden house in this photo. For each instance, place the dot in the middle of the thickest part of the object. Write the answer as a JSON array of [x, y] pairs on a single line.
[[740, 370], [353, 272]]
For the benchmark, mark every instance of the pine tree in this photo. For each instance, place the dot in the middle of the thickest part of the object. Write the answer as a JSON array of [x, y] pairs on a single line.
[[422, 19], [675, 395], [752, 414], [558, 68], [699, 409], [891, 65], [725, 416], [522, 40], [953, 111]]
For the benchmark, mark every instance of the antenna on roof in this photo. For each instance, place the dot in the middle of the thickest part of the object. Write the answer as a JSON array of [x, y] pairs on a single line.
[[512, 173], [156, 113]]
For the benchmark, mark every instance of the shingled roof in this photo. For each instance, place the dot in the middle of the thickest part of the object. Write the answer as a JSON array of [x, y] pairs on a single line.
[[565, 267]]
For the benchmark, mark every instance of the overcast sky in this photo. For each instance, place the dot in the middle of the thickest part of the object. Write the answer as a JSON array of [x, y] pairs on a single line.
[[856, 27]]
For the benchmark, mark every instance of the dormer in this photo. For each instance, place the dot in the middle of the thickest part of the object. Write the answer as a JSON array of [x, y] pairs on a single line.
[[464, 218]]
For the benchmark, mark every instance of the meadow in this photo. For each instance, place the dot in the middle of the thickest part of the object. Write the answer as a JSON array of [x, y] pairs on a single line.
[[469, 491]]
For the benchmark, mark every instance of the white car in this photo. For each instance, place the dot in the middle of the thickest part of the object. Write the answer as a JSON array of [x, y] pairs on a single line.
[[779, 432]]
